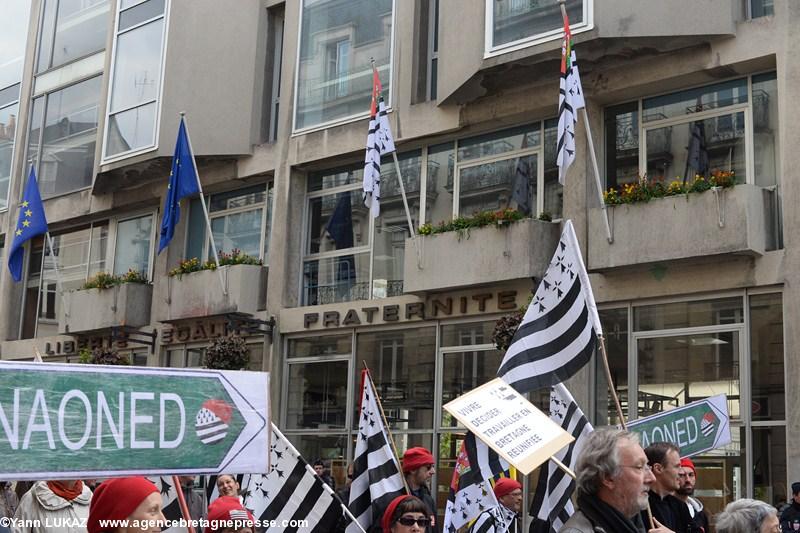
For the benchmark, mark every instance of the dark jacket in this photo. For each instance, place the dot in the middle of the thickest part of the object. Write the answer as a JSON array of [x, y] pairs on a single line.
[[671, 512], [425, 495], [789, 515]]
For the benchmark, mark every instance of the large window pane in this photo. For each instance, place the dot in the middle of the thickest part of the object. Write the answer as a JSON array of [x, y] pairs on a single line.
[[72, 29], [698, 148], [615, 327], [137, 70], [675, 371], [762, 8], [133, 245], [510, 183], [66, 154], [514, 20], [694, 100], [14, 29], [402, 363], [131, 129], [468, 333], [688, 314], [622, 144], [769, 465], [553, 190], [337, 42], [336, 279], [238, 231], [765, 128], [499, 142], [439, 187], [464, 371], [320, 345], [332, 449], [337, 222], [317, 395], [8, 129], [766, 354]]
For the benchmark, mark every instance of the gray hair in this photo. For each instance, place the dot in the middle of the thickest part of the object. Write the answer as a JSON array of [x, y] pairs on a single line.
[[599, 458], [743, 516]]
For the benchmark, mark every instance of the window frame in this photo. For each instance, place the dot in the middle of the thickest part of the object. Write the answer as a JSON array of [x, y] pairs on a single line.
[[490, 50], [113, 224], [158, 100], [388, 88], [40, 35]]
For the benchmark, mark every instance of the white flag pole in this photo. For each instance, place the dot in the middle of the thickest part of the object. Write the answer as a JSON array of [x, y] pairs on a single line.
[[405, 204], [562, 4], [205, 209]]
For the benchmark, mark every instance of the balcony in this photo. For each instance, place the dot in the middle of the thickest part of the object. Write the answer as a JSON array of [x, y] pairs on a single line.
[[482, 255], [200, 294], [692, 226], [96, 309]]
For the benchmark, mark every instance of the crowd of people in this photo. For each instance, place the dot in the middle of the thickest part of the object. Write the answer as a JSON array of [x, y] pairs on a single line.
[[621, 488]]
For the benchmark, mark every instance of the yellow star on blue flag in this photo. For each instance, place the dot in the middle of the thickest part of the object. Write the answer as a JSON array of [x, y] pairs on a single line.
[[30, 223], [183, 182]]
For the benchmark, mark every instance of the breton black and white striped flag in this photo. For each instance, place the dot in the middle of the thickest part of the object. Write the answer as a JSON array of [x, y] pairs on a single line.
[[570, 100], [377, 478], [552, 505], [379, 143], [558, 333], [477, 466], [296, 493]]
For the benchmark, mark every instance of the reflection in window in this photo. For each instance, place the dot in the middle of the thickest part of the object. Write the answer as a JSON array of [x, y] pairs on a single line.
[[133, 245], [71, 29], [14, 29], [519, 21], [464, 371], [136, 79], [62, 139], [337, 42], [8, 129], [766, 353], [317, 395], [615, 328]]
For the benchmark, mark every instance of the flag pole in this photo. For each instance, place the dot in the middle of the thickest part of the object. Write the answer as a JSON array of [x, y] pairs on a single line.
[[205, 208], [386, 425], [562, 4], [567, 470]]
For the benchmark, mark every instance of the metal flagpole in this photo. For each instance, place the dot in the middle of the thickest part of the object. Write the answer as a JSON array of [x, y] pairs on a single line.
[[405, 204], [205, 209], [562, 4]]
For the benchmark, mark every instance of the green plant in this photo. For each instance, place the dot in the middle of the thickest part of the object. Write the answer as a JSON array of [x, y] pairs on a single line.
[[227, 353], [645, 189], [478, 220], [104, 280], [235, 257], [103, 356], [545, 217]]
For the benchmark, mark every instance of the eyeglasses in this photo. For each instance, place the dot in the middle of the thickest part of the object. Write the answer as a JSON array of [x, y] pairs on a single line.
[[408, 521], [641, 468]]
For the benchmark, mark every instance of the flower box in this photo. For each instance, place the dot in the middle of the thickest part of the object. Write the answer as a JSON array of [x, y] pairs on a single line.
[[87, 310], [729, 221], [480, 255], [200, 293]]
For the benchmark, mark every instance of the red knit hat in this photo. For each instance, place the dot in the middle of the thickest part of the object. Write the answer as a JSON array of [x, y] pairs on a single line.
[[687, 463], [415, 458], [506, 485], [116, 499], [386, 522], [226, 509]]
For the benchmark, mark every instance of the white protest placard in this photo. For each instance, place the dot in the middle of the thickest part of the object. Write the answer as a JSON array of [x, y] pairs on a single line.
[[510, 424]]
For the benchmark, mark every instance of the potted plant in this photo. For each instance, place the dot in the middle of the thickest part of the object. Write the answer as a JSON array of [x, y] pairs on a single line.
[[228, 352]]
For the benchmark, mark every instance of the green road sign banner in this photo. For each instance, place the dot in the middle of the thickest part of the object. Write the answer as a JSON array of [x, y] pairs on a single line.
[[85, 421], [696, 427]]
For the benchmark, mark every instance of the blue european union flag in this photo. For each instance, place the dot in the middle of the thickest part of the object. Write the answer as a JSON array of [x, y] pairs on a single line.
[[183, 182], [30, 223]]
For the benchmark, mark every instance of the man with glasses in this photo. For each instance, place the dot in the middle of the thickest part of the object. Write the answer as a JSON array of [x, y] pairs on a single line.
[[503, 517], [613, 481], [664, 459]]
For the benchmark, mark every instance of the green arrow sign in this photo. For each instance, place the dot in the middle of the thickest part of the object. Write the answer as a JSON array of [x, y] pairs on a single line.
[[695, 428], [79, 421]]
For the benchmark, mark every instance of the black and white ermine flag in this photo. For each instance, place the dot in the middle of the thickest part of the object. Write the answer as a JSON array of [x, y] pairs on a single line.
[[570, 100], [377, 478], [552, 505], [559, 331], [379, 142]]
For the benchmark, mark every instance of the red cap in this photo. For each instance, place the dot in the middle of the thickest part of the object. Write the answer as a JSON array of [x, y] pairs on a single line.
[[686, 462], [116, 499], [506, 485], [415, 458], [386, 522], [227, 509]]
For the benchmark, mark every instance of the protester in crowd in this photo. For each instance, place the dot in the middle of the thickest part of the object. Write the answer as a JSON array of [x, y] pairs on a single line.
[[322, 471], [134, 500], [226, 514], [503, 517], [228, 486], [790, 517], [748, 516], [405, 514], [665, 462], [194, 501], [10, 500], [418, 469], [687, 477], [613, 480], [64, 502], [344, 495]]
